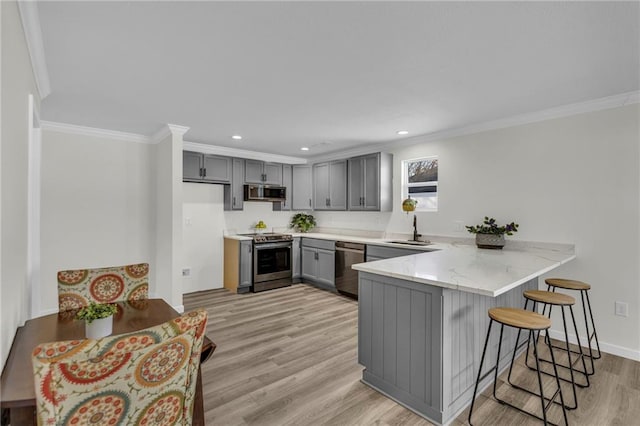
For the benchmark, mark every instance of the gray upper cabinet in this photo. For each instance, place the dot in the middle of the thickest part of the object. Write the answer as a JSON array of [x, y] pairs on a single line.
[[260, 172], [330, 185], [200, 167], [237, 184], [191, 165], [370, 182], [216, 168], [302, 192]]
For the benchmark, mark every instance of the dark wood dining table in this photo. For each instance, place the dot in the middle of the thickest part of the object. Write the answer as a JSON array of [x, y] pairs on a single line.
[[17, 394]]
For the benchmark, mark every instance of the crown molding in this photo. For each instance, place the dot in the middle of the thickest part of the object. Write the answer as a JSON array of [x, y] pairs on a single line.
[[615, 101], [94, 132], [33, 36], [241, 153], [178, 130]]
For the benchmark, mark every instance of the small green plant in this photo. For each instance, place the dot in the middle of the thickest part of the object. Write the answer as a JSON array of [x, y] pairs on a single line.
[[303, 222], [96, 311], [489, 226]]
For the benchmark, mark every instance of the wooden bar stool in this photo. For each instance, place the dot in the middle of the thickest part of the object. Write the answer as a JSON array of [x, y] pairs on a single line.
[[562, 301], [522, 320], [583, 288]]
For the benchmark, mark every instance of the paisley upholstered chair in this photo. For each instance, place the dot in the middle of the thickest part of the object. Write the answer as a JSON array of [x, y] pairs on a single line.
[[145, 377], [79, 287]]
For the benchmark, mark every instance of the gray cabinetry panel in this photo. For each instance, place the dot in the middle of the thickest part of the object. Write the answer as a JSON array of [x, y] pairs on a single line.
[[321, 186], [237, 184], [253, 171], [422, 344], [287, 183], [326, 272], [302, 192], [198, 167], [191, 165], [309, 263], [273, 173], [257, 171], [382, 252], [296, 259], [330, 185], [370, 182], [318, 262], [246, 257]]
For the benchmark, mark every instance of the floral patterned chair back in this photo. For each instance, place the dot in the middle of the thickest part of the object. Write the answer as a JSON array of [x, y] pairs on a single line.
[[79, 287], [145, 377]]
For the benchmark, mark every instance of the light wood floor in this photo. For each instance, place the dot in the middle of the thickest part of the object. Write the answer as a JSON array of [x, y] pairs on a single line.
[[289, 357]]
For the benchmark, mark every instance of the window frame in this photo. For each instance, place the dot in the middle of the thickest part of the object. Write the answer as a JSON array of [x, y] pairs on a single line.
[[406, 184]]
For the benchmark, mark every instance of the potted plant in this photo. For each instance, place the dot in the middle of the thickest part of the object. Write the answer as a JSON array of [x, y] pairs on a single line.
[[303, 222], [260, 227], [98, 319], [490, 235]]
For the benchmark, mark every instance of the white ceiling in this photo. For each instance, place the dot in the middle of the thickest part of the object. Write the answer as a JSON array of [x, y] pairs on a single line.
[[328, 75]]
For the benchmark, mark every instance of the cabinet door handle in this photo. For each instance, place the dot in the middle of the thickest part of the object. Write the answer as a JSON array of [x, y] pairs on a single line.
[[200, 172], [309, 202], [234, 201], [315, 255], [204, 172]]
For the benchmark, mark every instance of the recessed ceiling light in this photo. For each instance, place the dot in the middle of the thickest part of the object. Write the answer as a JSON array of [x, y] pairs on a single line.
[[236, 137], [304, 148], [403, 132]]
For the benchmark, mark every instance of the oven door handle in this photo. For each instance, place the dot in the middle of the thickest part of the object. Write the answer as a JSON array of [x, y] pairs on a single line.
[[272, 245]]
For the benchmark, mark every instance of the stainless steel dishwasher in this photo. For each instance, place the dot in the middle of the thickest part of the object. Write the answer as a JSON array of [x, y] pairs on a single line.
[[348, 254]]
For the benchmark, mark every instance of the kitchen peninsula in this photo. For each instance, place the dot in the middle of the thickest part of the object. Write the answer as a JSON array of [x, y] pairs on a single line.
[[423, 318]]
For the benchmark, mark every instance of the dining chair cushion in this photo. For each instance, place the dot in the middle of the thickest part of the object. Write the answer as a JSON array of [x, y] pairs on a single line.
[[148, 375], [79, 287]]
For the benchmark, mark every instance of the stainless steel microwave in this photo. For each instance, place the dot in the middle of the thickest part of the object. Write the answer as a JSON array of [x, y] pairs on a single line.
[[264, 193]]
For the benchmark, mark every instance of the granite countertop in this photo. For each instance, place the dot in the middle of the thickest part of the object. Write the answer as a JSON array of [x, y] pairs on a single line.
[[458, 264]]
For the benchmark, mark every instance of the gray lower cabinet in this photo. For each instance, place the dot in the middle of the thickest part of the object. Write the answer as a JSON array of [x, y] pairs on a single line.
[[234, 193], [421, 344], [260, 172], [318, 262], [198, 167], [383, 252], [302, 188], [370, 182], [330, 185], [296, 258], [238, 264]]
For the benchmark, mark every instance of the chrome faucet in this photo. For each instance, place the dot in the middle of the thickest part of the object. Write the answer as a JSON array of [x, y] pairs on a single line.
[[415, 229]]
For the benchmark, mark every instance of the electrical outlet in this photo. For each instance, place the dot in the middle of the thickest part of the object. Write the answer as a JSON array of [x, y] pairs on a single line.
[[622, 309], [186, 272], [187, 221], [457, 226]]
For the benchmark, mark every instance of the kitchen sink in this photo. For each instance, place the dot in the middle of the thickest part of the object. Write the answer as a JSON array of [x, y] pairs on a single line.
[[410, 242]]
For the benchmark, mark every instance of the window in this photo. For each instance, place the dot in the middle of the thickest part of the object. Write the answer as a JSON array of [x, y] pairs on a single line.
[[420, 181]]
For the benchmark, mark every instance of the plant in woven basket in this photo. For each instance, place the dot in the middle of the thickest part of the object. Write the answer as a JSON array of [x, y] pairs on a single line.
[[489, 226]]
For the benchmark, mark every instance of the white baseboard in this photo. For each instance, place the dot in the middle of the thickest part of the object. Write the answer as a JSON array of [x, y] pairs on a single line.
[[179, 308], [604, 346]]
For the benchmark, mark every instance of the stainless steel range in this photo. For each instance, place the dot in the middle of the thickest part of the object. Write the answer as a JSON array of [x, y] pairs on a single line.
[[271, 261]]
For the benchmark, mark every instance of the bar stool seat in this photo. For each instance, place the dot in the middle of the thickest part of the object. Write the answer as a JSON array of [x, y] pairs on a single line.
[[567, 284], [549, 297], [522, 320], [519, 318], [583, 288]]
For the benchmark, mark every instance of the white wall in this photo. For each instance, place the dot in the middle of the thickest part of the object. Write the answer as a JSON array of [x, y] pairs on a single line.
[[17, 82], [573, 180], [97, 206], [202, 236]]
